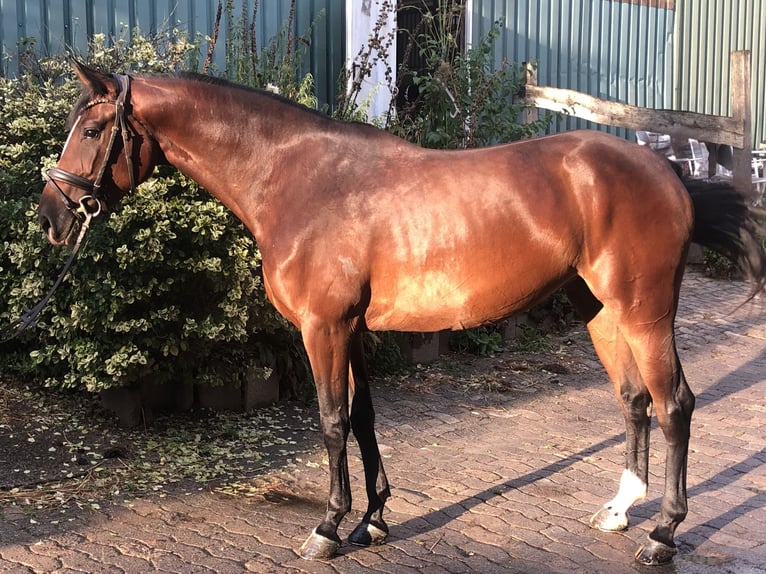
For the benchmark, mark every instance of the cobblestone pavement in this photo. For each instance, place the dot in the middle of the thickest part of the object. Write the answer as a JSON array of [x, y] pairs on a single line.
[[484, 482]]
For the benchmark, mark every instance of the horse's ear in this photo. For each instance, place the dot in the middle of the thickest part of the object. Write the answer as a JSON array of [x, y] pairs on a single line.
[[98, 83]]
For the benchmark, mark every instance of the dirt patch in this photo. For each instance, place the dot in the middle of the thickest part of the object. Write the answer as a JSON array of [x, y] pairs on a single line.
[[527, 368], [59, 451]]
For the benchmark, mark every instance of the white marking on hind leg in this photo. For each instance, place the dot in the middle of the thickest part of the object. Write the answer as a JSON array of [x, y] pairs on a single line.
[[614, 514]]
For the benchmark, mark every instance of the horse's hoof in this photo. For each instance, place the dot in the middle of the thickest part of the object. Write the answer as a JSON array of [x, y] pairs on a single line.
[[318, 547], [368, 534], [653, 553], [608, 520]]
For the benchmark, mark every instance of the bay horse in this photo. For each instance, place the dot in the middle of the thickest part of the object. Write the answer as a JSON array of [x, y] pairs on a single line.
[[361, 230]]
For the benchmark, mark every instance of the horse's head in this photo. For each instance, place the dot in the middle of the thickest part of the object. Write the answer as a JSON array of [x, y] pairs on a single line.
[[108, 152]]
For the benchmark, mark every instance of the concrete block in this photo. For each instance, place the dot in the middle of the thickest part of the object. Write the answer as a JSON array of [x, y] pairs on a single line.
[[514, 326], [423, 347], [260, 389], [220, 397], [125, 403], [257, 389]]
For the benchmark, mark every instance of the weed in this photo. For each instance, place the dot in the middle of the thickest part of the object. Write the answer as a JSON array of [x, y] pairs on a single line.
[[531, 340], [484, 341]]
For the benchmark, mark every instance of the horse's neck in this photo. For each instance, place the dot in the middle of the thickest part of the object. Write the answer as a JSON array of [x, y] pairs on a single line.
[[229, 142]]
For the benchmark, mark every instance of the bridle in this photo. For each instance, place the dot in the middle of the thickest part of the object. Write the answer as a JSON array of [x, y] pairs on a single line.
[[82, 209]]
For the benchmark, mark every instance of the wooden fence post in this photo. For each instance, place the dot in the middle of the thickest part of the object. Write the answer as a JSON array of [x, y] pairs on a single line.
[[735, 130], [529, 115], [740, 96]]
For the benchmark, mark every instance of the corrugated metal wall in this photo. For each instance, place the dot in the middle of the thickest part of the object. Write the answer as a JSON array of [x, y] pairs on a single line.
[[629, 51], [658, 54], [610, 49], [58, 24], [707, 31]]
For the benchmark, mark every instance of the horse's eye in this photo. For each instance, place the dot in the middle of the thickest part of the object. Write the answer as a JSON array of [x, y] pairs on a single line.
[[91, 133]]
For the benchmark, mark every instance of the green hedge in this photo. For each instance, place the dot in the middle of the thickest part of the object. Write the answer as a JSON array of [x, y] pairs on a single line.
[[167, 289]]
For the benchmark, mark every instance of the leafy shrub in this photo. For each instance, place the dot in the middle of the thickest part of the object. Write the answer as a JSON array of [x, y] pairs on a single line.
[[716, 265], [460, 99], [167, 289]]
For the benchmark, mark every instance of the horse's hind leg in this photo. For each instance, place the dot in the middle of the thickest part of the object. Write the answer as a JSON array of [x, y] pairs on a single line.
[[372, 530], [634, 398], [636, 406], [656, 356], [637, 345]]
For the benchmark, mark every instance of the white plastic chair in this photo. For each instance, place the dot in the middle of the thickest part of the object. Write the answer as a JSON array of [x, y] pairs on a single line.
[[691, 154], [759, 165]]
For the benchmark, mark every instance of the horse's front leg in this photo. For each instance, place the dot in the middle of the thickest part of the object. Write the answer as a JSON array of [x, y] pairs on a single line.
[[327, 347]]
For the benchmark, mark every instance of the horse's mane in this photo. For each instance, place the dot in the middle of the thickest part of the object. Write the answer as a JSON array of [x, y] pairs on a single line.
[[87, 96], [223, 82]]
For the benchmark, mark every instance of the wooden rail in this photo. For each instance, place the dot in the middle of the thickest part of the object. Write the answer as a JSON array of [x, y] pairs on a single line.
[[734, 130]]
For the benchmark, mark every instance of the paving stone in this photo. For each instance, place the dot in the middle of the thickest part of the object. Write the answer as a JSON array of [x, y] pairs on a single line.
[[21, 559]]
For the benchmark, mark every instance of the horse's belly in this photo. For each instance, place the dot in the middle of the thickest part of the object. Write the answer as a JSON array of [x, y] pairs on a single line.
[[436, 300]]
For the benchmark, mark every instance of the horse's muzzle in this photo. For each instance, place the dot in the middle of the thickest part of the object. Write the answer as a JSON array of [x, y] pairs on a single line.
[[59, 224], [55, 236]]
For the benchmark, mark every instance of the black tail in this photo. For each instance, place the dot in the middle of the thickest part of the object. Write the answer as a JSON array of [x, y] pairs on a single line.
[[726, 222]]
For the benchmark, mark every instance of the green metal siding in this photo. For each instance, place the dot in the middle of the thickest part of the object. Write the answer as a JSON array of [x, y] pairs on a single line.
[[58, 24], [612, 50], [624, 51], [708, 30], [674, 58]]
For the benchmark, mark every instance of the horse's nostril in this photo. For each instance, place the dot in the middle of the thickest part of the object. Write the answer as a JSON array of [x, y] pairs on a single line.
[[45, 223]]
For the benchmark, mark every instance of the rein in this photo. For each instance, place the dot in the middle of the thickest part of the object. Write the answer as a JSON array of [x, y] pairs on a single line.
[[82, 209], [29, 316]]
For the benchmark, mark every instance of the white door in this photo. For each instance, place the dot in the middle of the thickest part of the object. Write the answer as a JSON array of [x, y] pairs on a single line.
[[361, 19]]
